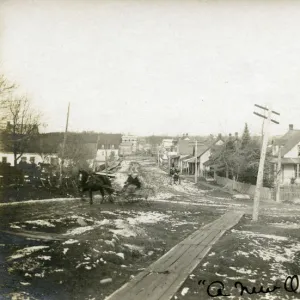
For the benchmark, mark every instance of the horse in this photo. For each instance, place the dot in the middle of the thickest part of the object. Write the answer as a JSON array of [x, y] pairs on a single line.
[[93, 183], [176, 178]]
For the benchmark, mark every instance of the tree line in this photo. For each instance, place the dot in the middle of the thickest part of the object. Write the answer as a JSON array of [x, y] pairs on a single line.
[[239, 159]]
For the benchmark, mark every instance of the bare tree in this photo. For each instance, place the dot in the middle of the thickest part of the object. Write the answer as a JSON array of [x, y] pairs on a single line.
[[5, 90], [22, 126], [77, 153]]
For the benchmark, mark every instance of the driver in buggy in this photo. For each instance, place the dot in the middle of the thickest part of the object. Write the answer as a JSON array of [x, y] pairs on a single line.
[[132, 183]]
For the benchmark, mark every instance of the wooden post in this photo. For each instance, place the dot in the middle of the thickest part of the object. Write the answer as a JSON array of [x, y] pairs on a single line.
[[196, 177], [260, 174], [94, 163], [278, 175], [158, 155], [63, 147], [106, 157]]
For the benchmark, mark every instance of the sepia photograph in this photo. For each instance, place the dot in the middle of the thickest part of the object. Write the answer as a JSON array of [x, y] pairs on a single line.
[[149, 149]]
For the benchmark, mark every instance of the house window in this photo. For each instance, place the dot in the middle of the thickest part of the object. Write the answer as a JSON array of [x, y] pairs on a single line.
[[102, 152], [32, 159], [298, 150], [4, 159], [23, 159]]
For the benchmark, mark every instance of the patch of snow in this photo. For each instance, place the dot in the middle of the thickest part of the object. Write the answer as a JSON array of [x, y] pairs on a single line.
[[259, 235], [81, 222], [243, 271], [103, 222], [110, 243], [26, 251], [134, 247], [242, 253], [41, 275], [184, 291], [121, 255], [106, 280], [79, 230], [212, 254], [24, 283], [108, 213], [65, 250], [15, 226], [70, 241], [42, 223], [285, 225], [45, 257]]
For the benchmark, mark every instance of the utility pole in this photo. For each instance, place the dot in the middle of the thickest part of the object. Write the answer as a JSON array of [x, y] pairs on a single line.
[[94, 165], [196, 150], [64, 146], [260, 174], [106, 157], [158, 155], [278, 175]]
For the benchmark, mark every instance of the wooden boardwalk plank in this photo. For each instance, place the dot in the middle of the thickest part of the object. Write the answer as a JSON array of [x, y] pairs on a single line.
[[161, 280]]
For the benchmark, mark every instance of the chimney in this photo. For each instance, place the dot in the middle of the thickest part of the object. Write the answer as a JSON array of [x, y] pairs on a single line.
[[236, 134], [219, 135], [102, 146], [291, 127]]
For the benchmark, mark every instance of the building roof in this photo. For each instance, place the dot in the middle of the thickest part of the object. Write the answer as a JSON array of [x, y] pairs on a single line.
[[187, 157], [289, 141], [205, 148]]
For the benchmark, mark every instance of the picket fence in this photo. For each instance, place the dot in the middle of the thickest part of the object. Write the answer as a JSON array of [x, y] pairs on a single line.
[[244, 188]]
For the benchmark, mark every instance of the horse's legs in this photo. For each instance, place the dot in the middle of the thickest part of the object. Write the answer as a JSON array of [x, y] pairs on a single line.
[[110, 197], [102, 194], [91, 196]]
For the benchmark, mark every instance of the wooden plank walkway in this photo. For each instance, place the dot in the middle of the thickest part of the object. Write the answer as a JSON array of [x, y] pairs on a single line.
[[162, 279]]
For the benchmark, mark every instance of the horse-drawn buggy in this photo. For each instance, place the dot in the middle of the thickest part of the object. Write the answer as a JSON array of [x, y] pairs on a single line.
[[132, 191]]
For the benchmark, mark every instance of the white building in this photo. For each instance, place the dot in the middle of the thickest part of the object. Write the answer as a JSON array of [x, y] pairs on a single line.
[[109, 151], [133, 139]]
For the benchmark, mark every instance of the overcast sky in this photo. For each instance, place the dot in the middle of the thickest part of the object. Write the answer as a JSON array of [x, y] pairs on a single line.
[[154, 67]]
